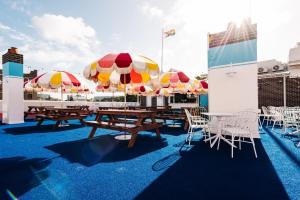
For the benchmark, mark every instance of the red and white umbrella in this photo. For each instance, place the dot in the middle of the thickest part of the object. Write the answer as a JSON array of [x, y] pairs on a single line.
[[122, 68], [142, 90], [55, 79], [172, 78]]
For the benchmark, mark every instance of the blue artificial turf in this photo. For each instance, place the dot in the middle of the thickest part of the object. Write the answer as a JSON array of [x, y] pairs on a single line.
[[41, 163]]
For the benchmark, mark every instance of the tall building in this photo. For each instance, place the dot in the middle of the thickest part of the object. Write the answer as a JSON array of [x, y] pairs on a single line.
[[27, 76], [279, 83]]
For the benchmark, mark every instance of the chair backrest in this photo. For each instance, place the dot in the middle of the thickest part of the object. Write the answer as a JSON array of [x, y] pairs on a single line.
[[247, 120], [265, 110], [188, 115], [195, 111]]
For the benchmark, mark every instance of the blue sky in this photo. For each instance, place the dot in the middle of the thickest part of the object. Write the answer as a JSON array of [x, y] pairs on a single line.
[[65, 34]]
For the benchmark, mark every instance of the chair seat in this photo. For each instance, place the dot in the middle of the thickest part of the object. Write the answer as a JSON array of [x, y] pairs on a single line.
[[236, 131], [199, 126]]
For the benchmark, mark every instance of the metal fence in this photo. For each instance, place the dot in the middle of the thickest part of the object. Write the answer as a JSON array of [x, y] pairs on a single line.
[[279, 90]]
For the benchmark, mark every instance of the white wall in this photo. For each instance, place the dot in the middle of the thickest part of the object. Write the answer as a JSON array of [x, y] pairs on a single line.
[[233, 89], [12, 105]]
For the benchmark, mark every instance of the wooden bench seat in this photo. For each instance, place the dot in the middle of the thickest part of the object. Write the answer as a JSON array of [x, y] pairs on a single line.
[[127, 125], [59, 115]]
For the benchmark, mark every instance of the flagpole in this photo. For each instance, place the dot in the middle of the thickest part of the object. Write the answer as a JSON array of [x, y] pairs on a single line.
[[162, 51]]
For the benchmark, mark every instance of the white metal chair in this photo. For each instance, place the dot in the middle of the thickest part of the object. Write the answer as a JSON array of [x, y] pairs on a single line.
[[277, 116], [196, 122], [243, 127], [292, 119], [265, 115]]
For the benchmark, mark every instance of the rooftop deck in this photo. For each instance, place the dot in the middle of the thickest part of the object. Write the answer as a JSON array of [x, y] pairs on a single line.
[[41, 163]]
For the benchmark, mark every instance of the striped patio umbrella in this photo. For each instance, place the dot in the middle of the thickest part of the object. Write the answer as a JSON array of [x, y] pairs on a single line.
[[142, 90], [172, 78], [163, 92], [198, 87], [122, 68], [54, 80]]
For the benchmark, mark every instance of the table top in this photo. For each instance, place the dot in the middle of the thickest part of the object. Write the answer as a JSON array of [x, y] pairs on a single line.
[[40, 106], [126, 112], [218, 114], [63, 109]]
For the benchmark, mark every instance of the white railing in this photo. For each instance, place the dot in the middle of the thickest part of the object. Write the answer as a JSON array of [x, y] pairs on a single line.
[[184, 105], [93, 105]]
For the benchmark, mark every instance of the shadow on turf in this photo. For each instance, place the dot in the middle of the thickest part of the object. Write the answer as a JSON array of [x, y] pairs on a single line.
[[19, 175], [39, 129], [169, 130], [105, 148], [292, 155], [205, 173]]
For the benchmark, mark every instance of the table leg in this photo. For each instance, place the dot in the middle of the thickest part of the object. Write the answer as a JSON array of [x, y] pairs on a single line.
[[132, 140], [81, 121], [93, 131], [40, 121], [157, 132], [57, 124], [227, 141], [217, 137], [210, 138]]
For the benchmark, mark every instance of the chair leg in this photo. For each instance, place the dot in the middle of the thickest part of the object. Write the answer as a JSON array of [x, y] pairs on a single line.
[[232, 144], [190, 136], [274, 125], [262, 122], [253, 144], [240, 146], [218, 144], [204, 134], [209, 135]]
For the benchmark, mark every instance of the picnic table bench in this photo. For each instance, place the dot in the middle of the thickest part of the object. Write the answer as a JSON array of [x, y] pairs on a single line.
[[34, 110], [131, 121], [171, 114], [85, 110], [59, 115]]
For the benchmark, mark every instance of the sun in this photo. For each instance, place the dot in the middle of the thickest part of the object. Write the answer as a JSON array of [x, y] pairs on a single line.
[[240, 11]]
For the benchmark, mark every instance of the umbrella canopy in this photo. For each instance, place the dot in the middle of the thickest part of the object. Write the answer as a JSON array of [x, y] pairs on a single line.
[[163, 92], [172, 78], [122, 68], [51, 81], [140, 90], [55, 79], [109, 88], [198, 87], [203, 84]]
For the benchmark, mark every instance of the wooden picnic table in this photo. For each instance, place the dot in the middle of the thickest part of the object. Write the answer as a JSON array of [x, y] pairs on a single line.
[[172, 114], [131, 121], [85, 109], [162, 112], [34, 110], [59, 115]]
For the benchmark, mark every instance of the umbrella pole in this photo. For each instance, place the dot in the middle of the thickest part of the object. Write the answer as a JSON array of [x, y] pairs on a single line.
[[112, 99], [61, 95], [125, 99]]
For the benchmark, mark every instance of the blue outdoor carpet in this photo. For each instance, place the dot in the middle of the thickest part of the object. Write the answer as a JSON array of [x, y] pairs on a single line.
[[41, 163]]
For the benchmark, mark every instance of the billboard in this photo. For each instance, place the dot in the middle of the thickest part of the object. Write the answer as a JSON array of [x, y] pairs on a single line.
[[233, 46]]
